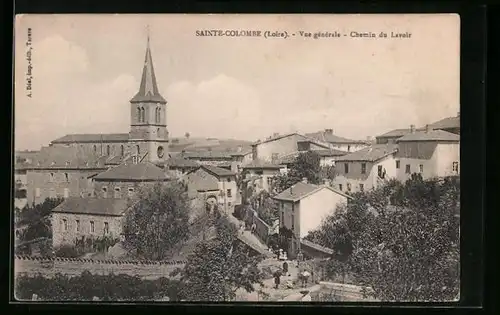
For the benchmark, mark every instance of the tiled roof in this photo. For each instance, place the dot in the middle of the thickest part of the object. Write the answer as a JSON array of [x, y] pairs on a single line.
[[181, 163], [260, 164], [133, 172], [431, 135], [104, 206], [66, 157], [331, 138], [206, 155], [446, 123], [395, 133], [302, 190], [219, 171], [330, 152], [148, 90], [87, 137], [317, 246], [370, 154]]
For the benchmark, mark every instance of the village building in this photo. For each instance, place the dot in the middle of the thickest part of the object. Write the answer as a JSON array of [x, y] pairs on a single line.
[[259, 174], [339, 143], [147, 138], [215, 185], [431, 153], [366, 169], [274, 148], [448, 124], [221, 159], [392, 136], [123, 181], [303, 207], [60, 173], [87, 218], [178, 166]]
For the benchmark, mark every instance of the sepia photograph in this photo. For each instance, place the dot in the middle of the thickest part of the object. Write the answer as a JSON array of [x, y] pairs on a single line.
[[236, 158]]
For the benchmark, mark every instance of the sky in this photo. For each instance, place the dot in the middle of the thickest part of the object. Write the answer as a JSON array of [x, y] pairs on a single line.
[[86, 68]]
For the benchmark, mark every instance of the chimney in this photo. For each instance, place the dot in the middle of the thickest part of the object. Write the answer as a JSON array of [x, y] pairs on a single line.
[[304, 180], [275, 135], [412, 128], [329, 131], [427, 128]]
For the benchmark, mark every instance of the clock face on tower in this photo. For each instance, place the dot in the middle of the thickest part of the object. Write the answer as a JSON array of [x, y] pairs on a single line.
[[160, 152]]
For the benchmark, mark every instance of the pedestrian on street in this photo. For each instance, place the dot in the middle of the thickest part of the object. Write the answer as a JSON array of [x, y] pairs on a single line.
[[277, 279], [285, 268]]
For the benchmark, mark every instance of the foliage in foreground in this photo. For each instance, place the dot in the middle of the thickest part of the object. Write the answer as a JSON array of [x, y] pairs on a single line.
[[86, 286], [36, 217], [157, 222], [400, 239], [219, 267]]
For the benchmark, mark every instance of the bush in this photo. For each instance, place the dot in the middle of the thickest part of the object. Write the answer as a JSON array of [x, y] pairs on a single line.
[[84, 287], [67, 251]]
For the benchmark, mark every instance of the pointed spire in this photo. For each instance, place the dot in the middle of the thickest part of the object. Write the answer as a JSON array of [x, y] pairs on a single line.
[[148, 90]]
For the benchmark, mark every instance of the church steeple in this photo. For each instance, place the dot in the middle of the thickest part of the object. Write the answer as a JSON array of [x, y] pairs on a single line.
[[148, 90]]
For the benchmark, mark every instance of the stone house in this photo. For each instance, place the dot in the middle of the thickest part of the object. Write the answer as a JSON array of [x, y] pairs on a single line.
[[259, 174], [123, 181], [178, 166], [392, 136], [303, 207], [339, 143], [274, 148], [366, 169], [214, 183], [88, 218], [431, 153]]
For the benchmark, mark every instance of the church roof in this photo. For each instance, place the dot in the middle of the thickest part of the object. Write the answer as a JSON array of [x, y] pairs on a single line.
[[96, 137], [133, 172], [148, 90]]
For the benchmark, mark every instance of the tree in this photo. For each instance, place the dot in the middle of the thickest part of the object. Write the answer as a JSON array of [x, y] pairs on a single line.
[[401, 239], [157, 221], [37, 219], [219, 267], [266, 207], [306, 165], [187, 135]]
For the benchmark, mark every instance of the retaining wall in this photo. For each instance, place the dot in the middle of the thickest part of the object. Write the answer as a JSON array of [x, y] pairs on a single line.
[[48, 266]]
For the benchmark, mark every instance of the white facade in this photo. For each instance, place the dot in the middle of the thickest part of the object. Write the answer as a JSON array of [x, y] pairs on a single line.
[[356, 180]]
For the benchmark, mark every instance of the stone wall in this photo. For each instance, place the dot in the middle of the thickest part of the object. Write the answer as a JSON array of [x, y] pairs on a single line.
[[48, 267], [346, 292]]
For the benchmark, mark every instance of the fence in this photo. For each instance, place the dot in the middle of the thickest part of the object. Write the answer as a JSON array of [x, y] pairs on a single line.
[[48, 266]]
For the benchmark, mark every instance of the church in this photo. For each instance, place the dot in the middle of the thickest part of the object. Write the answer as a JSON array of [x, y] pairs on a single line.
[[147, 139]]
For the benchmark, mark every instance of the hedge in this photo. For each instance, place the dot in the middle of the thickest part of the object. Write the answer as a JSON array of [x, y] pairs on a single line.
[[86, 286]]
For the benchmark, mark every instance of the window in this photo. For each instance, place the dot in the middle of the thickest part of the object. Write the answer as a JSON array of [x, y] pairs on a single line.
[[158, 115], [52, 193], [95, 148], [340, 187], [108, 150], [380, 171], [283, 218], [143, 115], [92, 227], [408, 170], [66, 177], [348, 186], [455, 167], [421, 168], [398, 164], [106, 227], [293, 222], [77, 225], [363, 168], [303, 146], [104, 192], [348, 148], [361, 187], [138, 114], [229, 193], [130, 191], [117, 192], [37, 192], [346, 168], [66, 192], [138, 149], [229, 179], [65, 225], [283, 206], [122, 150]]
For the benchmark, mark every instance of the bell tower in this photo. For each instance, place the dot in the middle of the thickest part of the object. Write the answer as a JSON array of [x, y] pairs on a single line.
[[148, 114]]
